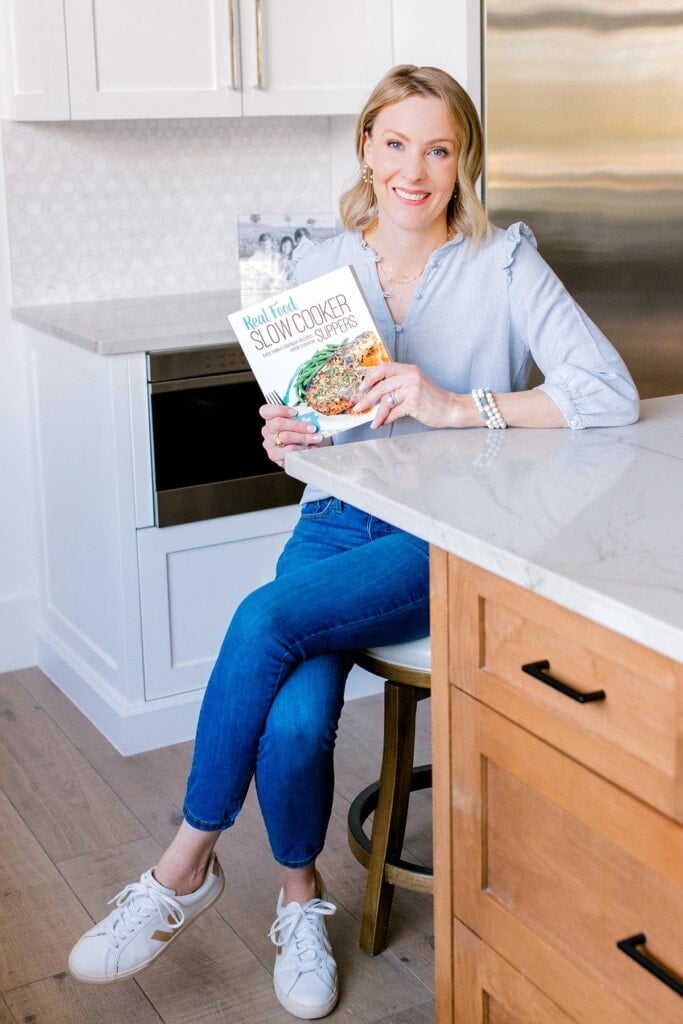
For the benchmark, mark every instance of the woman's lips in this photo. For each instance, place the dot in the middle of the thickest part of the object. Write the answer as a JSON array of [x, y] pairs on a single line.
[[411, 197]]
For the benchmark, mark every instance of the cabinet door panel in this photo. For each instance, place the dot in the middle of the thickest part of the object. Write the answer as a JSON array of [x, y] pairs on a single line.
[[318, 56], [489, 991], [150, 58], [36, 71], [192, 578], [553, 866]]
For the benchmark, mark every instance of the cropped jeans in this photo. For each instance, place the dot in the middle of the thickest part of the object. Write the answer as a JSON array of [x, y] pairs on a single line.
[[344, 581]]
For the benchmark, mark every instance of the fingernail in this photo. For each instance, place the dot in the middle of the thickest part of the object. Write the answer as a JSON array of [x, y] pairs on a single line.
[[311, 428]]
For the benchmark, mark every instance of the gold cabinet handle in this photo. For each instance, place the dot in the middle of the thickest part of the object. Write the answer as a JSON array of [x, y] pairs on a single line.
[[233, 45], [259, 45]]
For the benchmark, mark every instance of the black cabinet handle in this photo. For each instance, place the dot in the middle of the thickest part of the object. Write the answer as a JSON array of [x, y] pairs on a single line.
[[539, 670], [629, 945]]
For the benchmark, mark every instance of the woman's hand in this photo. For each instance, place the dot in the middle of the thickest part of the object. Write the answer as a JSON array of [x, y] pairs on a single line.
[[400, 389], [282, 432]]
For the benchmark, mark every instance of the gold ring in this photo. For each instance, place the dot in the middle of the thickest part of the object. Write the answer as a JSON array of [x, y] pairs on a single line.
[[278, 442]]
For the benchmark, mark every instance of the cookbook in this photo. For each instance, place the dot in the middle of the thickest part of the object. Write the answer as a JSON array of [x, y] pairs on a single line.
[[310, 347]]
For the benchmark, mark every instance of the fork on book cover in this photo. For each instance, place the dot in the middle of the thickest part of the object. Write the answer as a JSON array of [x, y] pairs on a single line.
[[273, 398]]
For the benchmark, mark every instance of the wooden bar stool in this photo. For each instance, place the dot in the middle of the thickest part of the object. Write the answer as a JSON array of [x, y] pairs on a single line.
[[406, 669]]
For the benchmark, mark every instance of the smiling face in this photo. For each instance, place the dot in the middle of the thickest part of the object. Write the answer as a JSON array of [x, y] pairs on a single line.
[[413, 154]]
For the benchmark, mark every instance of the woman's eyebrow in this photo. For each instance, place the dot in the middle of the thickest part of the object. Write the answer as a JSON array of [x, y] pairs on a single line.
[[429, 142]]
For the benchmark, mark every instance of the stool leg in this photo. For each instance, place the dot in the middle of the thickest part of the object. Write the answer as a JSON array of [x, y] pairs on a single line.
[[389, 823]]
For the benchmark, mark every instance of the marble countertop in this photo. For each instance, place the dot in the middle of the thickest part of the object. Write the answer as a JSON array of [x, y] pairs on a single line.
[[148, 324], [590, 519]]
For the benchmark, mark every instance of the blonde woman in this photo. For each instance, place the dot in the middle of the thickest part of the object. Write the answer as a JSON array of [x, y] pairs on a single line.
[[463, 308]]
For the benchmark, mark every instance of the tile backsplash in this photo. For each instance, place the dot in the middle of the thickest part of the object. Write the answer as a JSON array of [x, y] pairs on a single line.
[[103, 209]]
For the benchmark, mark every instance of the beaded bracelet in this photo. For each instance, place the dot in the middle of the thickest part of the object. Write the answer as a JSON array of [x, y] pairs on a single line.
[[486, 404]]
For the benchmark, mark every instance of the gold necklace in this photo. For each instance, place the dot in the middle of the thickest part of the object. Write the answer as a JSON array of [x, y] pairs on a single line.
[[387, 271]]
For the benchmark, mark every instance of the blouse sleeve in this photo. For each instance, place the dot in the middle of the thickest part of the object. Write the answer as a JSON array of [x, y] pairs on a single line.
[[583, 373]]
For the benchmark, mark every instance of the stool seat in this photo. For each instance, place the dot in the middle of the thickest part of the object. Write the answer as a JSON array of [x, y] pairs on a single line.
[[406, 668], [415, 654]]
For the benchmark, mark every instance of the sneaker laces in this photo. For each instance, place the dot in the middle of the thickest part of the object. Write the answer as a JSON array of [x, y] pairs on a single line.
[[137, 901], [302, 924]]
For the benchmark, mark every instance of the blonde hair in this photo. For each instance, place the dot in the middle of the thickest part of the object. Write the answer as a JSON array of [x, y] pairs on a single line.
[[465, 212]]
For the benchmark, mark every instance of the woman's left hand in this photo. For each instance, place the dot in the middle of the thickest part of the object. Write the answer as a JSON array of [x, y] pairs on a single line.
[[401, 389]]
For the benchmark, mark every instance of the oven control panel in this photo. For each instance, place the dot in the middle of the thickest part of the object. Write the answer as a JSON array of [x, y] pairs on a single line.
[[195, 362]]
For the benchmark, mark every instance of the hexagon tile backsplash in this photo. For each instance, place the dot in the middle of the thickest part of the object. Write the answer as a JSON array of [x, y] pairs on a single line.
[[107, 209]]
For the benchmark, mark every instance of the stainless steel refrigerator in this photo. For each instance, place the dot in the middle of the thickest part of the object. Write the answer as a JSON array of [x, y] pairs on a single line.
[[583, 109]]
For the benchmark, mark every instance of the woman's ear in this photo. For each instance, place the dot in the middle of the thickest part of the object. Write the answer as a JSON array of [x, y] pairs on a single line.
[[367, 149]]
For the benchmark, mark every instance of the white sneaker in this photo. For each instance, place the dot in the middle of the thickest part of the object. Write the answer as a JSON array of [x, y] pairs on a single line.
[[305, 975], [145, 921]]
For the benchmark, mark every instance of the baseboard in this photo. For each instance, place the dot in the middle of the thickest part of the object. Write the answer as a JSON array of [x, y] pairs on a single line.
[[130, 728], [18, 644]]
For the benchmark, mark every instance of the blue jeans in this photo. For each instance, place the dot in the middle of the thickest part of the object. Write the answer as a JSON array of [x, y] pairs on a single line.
[[345, 581]]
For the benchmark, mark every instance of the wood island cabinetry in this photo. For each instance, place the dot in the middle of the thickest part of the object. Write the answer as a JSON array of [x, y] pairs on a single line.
[[558, 819]]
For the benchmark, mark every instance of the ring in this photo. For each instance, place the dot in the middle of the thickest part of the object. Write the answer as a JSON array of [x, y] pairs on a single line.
[[277, 442], [393, 401]]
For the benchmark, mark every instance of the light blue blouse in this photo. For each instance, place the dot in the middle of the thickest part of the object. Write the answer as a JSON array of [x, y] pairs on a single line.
[[480, 314]]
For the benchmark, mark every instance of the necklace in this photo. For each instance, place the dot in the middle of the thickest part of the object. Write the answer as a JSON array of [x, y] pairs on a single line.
[[387, 271]]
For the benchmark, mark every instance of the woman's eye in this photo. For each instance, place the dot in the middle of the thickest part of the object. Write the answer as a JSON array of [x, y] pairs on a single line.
[[394, 144], [440, 151]]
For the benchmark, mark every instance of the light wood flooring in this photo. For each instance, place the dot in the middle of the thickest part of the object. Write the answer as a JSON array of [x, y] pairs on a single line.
[[78, 821]]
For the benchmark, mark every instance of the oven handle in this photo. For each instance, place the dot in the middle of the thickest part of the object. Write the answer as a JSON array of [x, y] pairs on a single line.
[[211, 381]]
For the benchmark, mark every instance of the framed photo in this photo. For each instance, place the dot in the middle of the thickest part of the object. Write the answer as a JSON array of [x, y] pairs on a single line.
[[266, 242]]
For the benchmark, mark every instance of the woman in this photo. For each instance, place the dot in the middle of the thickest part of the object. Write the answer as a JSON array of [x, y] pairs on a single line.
[[463, 308]]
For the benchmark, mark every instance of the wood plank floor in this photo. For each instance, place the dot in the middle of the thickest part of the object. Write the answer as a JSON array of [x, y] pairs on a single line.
[[78, 821]]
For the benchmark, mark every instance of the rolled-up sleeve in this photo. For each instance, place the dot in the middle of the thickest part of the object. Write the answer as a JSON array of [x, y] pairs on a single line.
[[583, 372]]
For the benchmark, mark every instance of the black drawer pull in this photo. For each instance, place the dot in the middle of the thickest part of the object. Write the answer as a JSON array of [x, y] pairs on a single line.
[[539, 670], [628, 946]]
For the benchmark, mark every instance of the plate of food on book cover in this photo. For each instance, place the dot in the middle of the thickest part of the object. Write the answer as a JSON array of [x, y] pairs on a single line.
[[328, 384]]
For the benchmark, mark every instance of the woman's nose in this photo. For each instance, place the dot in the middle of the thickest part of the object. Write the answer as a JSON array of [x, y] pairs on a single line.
[[413, 167]]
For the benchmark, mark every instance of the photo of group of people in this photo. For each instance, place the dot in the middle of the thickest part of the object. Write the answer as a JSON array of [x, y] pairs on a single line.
[[266, 243]]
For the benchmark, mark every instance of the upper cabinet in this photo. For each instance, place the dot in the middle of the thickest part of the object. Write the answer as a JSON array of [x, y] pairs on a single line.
[[87, 59], [36, 79]]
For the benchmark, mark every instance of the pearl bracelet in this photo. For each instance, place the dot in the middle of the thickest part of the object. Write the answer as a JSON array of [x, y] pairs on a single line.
[[486, 404]]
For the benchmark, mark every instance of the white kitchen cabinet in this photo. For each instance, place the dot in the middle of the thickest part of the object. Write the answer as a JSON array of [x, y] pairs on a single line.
[[36, 81], [194, 58], [130, 616], [153, 58], [96, 59], [192, 577]]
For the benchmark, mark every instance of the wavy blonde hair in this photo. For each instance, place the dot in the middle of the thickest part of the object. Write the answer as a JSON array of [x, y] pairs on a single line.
[[465, 213]]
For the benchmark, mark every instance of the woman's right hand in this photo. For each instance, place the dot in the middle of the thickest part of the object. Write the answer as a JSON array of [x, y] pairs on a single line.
[[283, 432]]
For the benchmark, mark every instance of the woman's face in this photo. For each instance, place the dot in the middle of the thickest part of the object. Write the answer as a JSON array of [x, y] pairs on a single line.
[[414, 158]]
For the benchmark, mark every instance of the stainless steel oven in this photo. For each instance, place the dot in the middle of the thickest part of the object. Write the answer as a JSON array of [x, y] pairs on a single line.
[[207, 449]]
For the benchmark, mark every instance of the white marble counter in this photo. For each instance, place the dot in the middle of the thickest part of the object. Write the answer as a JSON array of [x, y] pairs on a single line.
[[120, 326], [590, 519]]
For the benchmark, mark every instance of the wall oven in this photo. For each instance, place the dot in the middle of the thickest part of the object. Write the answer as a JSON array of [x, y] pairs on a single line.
[[208, 458]]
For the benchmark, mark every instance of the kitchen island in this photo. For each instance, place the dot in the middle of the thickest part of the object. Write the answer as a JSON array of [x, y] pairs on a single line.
[[557, 692]]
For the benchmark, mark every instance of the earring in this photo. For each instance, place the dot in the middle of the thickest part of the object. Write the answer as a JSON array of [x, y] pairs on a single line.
[[455, 192], [366, 176]]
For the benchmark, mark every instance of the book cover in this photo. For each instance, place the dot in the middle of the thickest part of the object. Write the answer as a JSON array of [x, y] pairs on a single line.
[[310, 347]]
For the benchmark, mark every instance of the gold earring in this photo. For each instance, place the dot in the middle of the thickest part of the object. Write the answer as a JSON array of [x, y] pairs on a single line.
[[367, 174]]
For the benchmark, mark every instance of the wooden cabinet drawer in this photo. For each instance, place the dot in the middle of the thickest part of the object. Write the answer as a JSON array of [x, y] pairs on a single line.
[[634, 736], [489, 991], [552, 866]]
